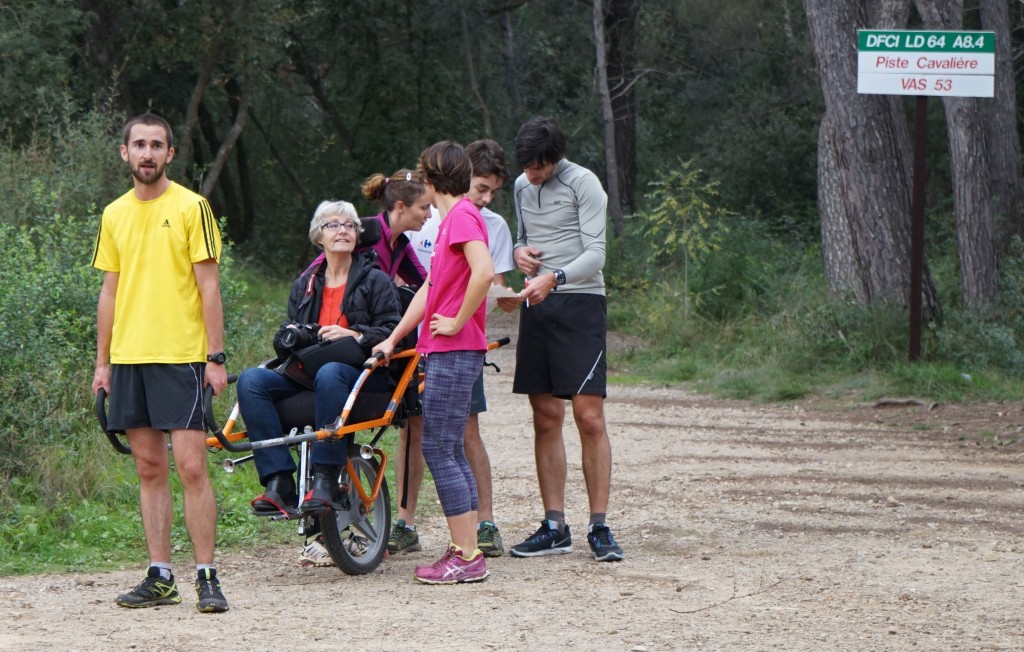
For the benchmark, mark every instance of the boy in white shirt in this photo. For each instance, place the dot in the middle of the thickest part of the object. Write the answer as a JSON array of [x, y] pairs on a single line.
[[489, 174]]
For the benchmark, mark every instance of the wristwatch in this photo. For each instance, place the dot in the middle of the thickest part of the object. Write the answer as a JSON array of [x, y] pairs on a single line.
[[217, 358], [559, 277]]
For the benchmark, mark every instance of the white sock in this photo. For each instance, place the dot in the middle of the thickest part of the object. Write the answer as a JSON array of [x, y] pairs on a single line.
[[165, 568]]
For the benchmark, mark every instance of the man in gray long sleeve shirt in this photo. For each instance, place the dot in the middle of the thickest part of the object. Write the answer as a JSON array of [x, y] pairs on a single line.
[[560, 355]]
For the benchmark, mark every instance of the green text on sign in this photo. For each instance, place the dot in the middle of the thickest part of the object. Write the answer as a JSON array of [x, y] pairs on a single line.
[[917, 41]]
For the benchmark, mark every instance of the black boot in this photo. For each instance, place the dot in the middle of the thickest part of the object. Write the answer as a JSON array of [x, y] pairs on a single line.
[[324, 493], [279, 496]]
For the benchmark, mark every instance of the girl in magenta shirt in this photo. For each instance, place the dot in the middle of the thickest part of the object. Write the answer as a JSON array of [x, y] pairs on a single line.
[[453, 338]]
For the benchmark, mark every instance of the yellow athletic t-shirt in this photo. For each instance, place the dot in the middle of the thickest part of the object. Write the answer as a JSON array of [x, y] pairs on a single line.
[[158, 313]]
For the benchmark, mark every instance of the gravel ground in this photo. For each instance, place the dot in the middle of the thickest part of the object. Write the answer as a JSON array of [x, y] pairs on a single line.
[[807, 526]]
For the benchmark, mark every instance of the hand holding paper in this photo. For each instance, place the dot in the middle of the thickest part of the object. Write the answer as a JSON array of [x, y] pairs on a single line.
[[505, 298], [501, 292]]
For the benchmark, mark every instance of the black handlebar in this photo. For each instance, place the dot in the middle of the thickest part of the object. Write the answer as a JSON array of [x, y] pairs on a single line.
[[101, 416], [214, 427]]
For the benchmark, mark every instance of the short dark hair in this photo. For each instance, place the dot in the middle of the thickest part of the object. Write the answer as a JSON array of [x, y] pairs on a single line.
[[539, 142], [151, 120], [446, 166], [488, 159]]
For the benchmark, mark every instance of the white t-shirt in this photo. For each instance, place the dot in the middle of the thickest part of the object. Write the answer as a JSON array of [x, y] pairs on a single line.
[[498, 236]]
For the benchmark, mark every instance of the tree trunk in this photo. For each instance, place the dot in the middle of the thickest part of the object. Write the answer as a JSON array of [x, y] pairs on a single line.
[[185, 139], [1001, 125], [474, 84], [508, 51], [304, 197], [234, 133], [103, 52], [621, 28], [311, 72], [227, 201], [610, 159], [841, 265], [247, 215], [972, 193], [972, 201], [864, 170]]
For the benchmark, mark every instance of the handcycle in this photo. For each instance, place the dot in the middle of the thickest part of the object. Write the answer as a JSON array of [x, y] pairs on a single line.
[[356, 536]]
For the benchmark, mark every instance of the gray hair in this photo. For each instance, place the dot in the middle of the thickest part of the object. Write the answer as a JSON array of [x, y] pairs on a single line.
[[327, 210]]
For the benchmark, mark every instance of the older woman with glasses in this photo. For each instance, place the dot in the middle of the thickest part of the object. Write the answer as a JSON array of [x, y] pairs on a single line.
[[346, 295]]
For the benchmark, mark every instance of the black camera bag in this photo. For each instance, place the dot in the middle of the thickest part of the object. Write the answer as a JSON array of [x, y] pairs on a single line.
[[302, 365]]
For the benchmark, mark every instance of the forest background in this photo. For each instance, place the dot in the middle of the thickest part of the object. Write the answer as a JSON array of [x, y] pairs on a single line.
[[729, 136]]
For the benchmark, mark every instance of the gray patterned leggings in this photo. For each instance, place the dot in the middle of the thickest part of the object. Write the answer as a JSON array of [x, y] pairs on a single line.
[[446, 394]]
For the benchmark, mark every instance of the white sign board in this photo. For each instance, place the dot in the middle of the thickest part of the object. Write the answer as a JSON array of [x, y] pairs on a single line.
[[903, 62]]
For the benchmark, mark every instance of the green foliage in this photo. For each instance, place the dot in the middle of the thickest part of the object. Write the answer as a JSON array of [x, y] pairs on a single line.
[[47, 315], [972, 339], [69, 165], [683, 225], [973, 342], [37, 48], [770, 331], [734, 88], [67, 532], [765, 151], [675, 237]]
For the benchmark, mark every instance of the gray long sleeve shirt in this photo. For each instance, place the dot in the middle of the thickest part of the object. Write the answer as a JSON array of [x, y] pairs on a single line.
[[565, 218]]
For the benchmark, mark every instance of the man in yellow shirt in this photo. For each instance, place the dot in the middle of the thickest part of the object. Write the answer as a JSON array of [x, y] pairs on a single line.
[[160, 341]]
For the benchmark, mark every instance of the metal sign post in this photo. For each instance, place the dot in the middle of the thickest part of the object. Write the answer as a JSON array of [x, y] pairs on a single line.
[[944, 64]]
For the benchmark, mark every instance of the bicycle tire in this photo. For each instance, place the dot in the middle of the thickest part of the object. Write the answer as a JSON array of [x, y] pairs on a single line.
[[373, 524]]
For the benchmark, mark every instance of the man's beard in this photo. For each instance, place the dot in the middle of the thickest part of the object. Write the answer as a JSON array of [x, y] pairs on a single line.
[[155, 175]]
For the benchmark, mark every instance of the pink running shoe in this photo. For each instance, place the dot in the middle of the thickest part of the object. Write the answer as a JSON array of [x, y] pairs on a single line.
[[454, 568]]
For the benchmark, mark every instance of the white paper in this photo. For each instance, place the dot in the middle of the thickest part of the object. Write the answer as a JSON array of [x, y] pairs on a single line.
[[501, 292]]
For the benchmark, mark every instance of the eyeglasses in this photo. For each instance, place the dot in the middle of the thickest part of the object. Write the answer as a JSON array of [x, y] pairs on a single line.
[[334, 226]]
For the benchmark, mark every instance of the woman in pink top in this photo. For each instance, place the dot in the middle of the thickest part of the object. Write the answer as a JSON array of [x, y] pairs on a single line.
[[453, 338]]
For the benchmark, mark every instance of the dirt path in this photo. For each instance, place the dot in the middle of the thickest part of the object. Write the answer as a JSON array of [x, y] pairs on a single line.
[[745, 527]]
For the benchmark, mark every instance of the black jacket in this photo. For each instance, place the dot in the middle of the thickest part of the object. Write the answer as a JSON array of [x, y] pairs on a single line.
[[370, 302]]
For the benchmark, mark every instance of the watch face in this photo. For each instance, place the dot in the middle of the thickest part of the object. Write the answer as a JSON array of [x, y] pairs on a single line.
[[218, 358]]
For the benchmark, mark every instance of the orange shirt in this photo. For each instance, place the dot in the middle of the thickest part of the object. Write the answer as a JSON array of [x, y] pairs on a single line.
[[330, 307]]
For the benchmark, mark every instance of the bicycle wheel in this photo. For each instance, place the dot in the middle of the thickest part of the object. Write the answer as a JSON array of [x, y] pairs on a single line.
[[358, 538]]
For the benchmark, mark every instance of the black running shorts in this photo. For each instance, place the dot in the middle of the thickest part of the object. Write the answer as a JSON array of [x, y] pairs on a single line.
[[160, 396], [561, 346]]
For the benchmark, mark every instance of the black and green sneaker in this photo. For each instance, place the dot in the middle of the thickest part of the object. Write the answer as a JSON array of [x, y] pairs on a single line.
[[153, 592], [488, 539], [403, 539], [211, 600]]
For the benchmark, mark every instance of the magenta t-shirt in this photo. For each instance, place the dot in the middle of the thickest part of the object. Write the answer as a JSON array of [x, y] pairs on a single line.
[[449, 277]]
